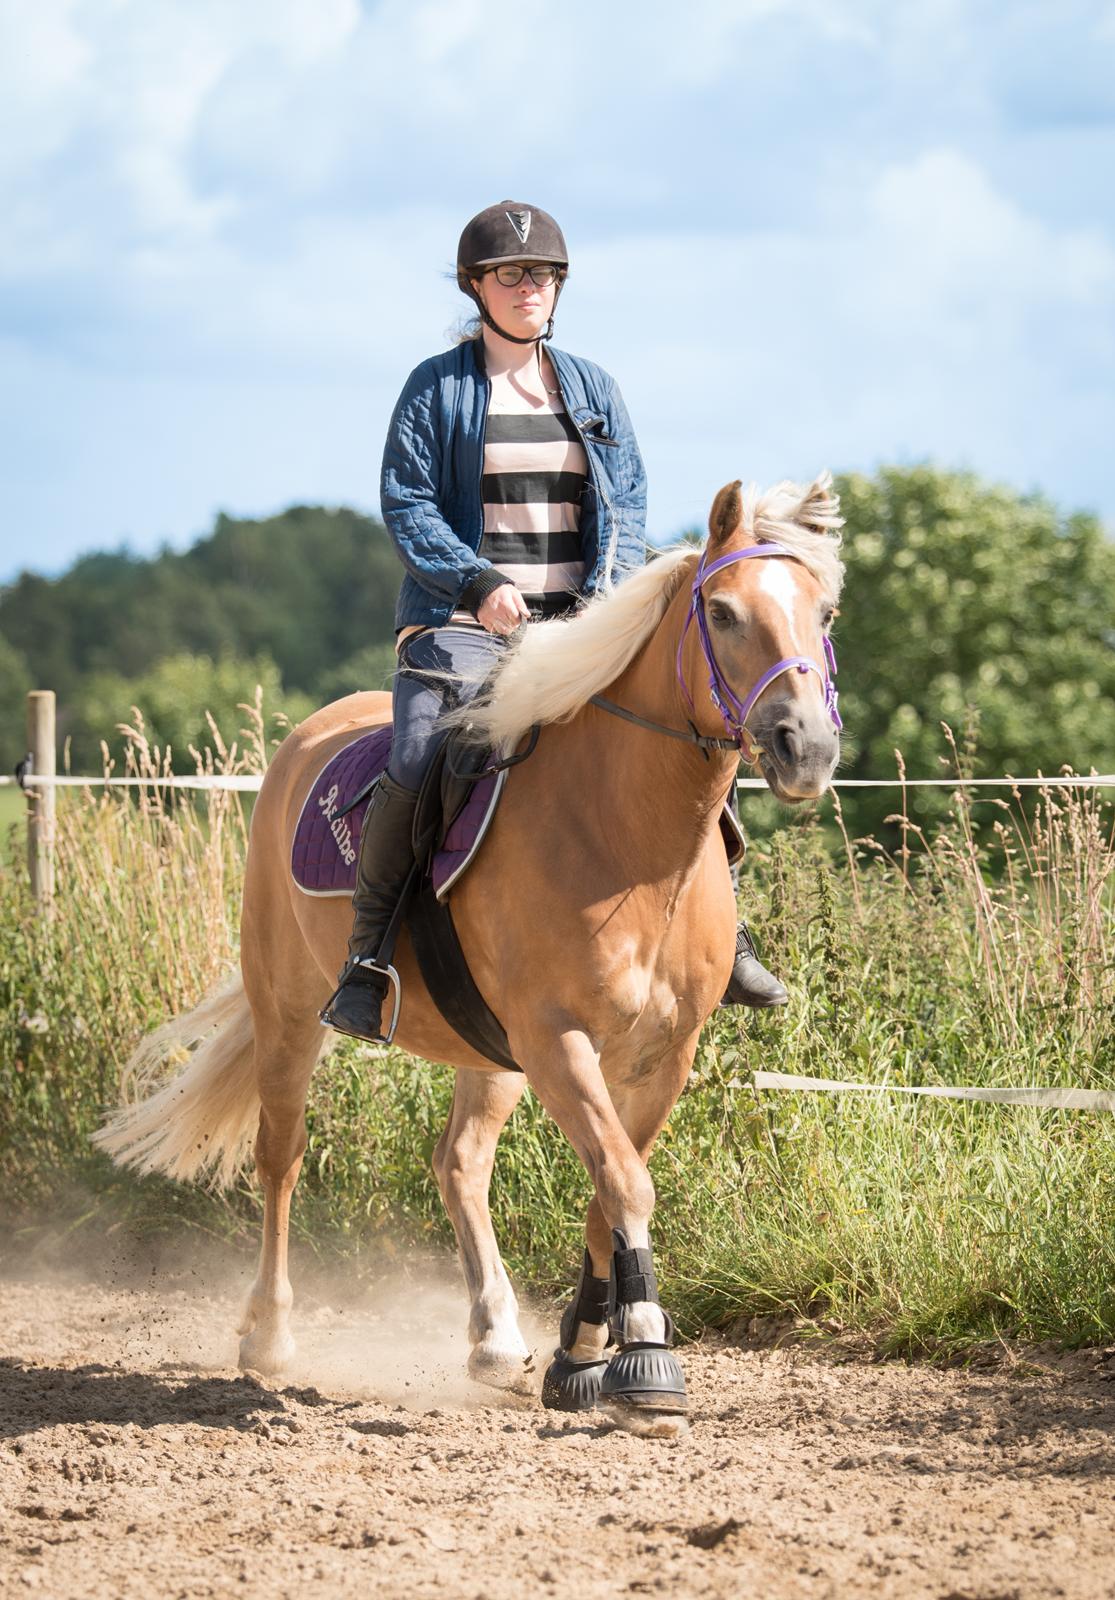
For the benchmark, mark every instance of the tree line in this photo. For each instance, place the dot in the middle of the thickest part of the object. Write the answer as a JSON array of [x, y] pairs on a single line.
[[964, 603], [301, 602]]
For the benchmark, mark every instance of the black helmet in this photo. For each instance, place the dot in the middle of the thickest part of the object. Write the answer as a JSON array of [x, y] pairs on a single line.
[[509, 231]]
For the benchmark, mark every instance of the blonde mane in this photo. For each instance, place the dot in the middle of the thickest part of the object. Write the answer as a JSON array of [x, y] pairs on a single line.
[[553, 668]]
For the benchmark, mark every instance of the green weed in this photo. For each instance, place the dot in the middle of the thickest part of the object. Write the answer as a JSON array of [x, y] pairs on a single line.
[[980, 955]]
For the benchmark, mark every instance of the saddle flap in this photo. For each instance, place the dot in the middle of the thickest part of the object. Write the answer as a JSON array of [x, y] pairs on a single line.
[[731, 831], [462, 759], [327, 836], [446, 789]]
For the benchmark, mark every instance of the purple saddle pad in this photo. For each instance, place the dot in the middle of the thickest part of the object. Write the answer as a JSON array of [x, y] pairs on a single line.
[[323, 854]]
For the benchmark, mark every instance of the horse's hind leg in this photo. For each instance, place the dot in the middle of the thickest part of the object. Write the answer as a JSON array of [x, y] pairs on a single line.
[[463, 1160], [286, 1051]]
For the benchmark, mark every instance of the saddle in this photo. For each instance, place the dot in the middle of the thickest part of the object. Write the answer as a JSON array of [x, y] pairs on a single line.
[[456, 804], [448, 826]]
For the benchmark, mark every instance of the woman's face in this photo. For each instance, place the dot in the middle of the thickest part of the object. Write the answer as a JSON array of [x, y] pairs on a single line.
[[523, 310]]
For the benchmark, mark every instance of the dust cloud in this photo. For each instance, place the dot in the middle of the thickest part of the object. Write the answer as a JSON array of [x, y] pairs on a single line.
[[392, 1328]]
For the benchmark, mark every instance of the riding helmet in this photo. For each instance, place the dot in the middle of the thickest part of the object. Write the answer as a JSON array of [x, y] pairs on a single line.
[[509, 231]]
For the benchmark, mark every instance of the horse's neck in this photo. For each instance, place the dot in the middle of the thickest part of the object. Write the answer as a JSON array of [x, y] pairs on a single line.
[[659, 797]]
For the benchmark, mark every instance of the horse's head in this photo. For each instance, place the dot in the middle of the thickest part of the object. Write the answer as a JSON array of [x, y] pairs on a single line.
[[764, 629]]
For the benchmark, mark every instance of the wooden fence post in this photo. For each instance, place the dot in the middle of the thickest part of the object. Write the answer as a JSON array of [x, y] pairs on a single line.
[[41, 811]]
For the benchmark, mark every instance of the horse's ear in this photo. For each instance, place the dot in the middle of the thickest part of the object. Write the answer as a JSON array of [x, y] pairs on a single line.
[[820, 506], [726, 514]]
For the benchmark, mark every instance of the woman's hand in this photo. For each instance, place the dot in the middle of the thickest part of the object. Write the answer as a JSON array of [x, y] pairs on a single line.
[[503, 609]]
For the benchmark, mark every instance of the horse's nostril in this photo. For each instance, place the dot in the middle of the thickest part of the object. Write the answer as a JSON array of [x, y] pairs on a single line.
[[787, 742]]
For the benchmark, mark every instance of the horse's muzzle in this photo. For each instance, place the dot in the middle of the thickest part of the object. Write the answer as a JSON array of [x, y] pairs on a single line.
[[798, 753]]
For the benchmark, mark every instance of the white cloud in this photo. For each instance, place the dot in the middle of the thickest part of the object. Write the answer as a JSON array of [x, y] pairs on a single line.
[[942, 224], [342, 301], [174, 115], [41, 67], [939, 319], [121, 91], [805, 231]]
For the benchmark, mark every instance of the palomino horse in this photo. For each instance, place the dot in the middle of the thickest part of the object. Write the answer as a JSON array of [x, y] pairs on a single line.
[[598, 921]]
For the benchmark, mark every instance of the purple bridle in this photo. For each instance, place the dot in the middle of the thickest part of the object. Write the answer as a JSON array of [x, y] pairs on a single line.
[[733, 711]]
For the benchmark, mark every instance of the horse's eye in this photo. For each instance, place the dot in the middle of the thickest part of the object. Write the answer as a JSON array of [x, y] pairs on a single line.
[[722, 617]]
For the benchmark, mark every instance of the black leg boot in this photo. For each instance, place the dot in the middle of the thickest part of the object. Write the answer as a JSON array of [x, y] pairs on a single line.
[[751, 984], [386, 857]]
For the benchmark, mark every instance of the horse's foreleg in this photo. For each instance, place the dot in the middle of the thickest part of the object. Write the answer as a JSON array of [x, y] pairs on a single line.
[[570, 1084], [285, 1060], [463, 1160], [614, 1133]]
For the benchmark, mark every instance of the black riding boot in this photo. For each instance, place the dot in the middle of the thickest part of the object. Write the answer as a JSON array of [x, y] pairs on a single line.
[[751, 984], [386, 857]]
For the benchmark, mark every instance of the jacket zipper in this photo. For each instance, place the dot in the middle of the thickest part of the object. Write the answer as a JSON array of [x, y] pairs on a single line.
[[480, 475], [597, 479]]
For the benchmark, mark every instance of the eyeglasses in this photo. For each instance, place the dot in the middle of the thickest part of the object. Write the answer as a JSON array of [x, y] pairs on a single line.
[[512, 273]]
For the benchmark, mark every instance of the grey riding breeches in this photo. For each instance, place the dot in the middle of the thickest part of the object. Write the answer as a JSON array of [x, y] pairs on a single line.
[[417, 701]]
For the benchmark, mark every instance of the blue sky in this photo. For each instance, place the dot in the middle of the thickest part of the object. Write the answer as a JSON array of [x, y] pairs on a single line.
[[803, 233]]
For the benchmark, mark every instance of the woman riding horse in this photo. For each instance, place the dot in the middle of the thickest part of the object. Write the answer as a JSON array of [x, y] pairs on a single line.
[[602, 954], [512, 489]]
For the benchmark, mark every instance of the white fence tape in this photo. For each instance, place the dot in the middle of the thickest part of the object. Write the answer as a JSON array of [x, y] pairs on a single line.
[[1067, 1099], [198, 780], [248, 782], [1105, 780]]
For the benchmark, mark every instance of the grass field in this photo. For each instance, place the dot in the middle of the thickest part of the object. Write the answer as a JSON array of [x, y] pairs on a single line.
[[13, 810], [985, 957]]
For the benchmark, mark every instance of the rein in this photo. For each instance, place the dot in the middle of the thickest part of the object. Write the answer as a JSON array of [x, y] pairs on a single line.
[[734, 712], [703, 741]]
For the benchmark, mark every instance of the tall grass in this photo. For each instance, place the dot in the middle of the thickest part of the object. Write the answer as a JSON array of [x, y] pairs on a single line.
[[982, 954]]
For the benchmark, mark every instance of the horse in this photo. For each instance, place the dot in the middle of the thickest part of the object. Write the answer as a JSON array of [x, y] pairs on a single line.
[[603, 997]]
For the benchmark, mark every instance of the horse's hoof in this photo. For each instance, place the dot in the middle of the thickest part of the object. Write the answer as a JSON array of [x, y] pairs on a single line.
[[266, 1354], [502, 1369], [643, 1389], [647, 1424], [571, 1385]]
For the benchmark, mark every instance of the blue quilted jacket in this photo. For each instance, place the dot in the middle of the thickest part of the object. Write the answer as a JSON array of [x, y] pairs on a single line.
[[432, 467]]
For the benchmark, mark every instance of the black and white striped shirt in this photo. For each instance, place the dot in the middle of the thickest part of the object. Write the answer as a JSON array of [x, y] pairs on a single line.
[[534, 474]]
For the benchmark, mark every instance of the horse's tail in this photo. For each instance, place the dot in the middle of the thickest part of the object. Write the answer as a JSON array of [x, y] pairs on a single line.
[[204, 1118]]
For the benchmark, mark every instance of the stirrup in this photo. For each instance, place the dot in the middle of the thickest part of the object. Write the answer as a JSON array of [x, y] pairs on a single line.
[[370, 964]]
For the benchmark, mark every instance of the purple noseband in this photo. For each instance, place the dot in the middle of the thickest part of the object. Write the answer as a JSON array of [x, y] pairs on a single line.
[[735, 712]]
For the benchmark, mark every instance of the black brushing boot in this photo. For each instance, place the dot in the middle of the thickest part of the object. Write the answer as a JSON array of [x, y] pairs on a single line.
[[643, 1377], [571, 1384], [386, 859], [751, 984]]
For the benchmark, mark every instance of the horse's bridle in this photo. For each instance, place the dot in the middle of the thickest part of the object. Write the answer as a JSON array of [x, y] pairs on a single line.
[[733, 711]]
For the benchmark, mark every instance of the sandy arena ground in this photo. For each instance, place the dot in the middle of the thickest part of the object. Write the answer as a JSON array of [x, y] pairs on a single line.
[[136, 1461]]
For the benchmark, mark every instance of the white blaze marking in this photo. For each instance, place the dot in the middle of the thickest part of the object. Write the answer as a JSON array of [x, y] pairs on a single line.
[[776, 580]]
